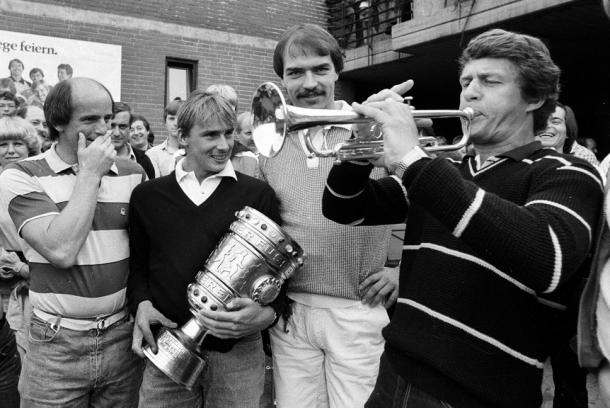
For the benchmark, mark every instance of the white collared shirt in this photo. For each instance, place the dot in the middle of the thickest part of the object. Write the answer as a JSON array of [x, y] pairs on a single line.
[[197, 192]]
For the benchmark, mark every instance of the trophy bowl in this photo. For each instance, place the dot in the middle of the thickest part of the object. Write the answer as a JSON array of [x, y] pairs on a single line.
[[253, 259]]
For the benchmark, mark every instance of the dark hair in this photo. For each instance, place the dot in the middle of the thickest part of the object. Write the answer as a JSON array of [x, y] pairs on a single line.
[[7, 83], [15, 60], [11, 97], [135, 117], [122, 107], [303, 38], [571, 127], [538, 75], [202, 107], [172, 108], [65, 67], [58, 106], [35, 70]]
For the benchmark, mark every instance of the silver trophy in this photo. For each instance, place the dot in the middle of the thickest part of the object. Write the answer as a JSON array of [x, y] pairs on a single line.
[[253, 259]]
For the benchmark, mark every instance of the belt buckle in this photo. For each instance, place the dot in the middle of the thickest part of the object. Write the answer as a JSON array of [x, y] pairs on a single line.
[[101, 324], [55, 325]]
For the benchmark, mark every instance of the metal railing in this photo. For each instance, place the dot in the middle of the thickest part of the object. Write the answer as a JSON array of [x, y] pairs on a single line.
[[355, 22]]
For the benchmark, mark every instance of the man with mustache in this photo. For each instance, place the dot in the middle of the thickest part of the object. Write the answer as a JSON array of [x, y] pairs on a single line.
[[70, 206], [329, 348], [494, 245]]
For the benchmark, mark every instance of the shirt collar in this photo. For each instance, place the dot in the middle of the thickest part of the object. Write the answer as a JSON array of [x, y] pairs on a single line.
[[228, 171], [344, 106], [518, 153], [58, 165]]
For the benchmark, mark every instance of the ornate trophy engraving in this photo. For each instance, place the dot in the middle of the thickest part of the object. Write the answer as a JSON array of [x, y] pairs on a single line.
[[253, 259]]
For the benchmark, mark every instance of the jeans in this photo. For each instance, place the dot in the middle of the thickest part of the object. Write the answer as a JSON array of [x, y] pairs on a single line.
[[391, 391], [328, 357], [9, 366], [69, 368], [231, 379]]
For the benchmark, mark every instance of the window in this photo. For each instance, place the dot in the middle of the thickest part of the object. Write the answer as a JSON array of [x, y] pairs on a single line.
[[180, 78]]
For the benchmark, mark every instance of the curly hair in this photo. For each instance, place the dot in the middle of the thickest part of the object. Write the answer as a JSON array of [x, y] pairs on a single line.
[[538, 75], [15, 128]]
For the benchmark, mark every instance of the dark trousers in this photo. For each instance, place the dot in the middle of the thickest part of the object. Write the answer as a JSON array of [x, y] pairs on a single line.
[[392, 391], [9, 366]]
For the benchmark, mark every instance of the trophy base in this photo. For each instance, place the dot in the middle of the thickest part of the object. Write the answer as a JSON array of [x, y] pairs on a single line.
[[179, 361]]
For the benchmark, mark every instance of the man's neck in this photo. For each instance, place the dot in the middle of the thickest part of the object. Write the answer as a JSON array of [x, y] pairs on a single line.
[[172, 143], [123, 151], [189, 165], [67, 150]]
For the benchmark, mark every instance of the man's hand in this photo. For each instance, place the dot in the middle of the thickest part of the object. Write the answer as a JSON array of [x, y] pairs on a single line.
[[242, 317], [98, 157], [380, 287], [145, 316], [11, 265]]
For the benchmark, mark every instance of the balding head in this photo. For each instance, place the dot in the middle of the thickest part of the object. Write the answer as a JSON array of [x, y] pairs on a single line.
[[67, 97]]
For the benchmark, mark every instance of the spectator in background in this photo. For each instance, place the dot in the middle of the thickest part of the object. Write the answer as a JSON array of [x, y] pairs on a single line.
[[162, 155], [64, 71], [6, 84], [561, 134], [35, 116], [17, 141], [141, 136], [8, 103], [16, 67], [243, 159], [589, 143], [120, 128], [225, 91], [40, 90], [36, 74]]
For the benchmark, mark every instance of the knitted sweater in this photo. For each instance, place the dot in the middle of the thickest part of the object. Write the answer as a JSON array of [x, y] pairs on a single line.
[[170, 237], [337, 257], [481, 248]]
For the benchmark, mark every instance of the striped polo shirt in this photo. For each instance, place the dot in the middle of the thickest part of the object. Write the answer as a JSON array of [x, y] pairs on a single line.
[[41, 186]]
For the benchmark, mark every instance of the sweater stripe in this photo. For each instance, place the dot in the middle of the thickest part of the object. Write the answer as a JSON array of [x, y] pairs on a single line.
[[588, 173], [343, 196], [566, 209], [475, 333], [472, 259], [402, 186], [558, 265], [470, 212]]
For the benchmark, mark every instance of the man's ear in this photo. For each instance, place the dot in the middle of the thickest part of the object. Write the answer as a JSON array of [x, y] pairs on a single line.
[[182, 139], [534, 104]]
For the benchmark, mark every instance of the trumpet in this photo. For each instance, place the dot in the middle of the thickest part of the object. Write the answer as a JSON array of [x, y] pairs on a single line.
[[274, 119]]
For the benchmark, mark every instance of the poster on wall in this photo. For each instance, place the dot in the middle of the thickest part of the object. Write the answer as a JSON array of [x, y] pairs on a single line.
[[47, 60]]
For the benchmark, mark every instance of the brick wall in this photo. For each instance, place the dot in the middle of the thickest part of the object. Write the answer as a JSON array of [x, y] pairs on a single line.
[[242, 62], [251, 17]]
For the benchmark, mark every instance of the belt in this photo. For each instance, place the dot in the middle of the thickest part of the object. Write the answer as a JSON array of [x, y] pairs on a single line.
[[100, 323]]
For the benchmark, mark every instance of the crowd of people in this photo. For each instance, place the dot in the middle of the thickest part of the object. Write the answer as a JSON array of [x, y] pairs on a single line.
[[101, 232]]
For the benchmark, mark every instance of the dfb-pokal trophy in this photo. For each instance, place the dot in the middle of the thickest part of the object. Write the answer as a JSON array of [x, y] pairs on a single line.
[[253, 259]]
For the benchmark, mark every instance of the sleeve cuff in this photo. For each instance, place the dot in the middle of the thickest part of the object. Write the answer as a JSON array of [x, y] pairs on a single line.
[[407, 160]]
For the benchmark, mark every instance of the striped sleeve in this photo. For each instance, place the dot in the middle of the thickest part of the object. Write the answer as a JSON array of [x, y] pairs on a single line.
[[352, 198], [23, 197]]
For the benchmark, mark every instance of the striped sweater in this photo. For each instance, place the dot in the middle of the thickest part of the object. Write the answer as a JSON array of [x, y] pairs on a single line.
[[481, 250], [96, 285]]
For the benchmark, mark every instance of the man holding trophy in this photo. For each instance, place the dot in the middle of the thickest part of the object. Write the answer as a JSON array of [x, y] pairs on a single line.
[[176, 221]]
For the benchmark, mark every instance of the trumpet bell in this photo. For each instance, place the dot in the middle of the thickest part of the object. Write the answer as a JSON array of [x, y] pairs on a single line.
[[269, 125]]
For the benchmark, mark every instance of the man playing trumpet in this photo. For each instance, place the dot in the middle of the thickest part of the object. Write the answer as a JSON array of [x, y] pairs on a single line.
[[493, 245]]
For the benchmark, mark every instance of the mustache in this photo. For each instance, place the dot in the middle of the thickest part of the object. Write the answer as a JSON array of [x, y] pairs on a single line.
[[309, 94]]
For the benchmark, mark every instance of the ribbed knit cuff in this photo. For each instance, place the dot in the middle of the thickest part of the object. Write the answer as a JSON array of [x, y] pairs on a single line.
[[349, 178]]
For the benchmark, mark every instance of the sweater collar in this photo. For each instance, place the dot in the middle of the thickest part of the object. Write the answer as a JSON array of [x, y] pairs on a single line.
[[519, 153]]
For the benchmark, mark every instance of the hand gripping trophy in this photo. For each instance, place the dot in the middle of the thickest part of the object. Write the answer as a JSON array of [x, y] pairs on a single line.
[[252, 259]]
